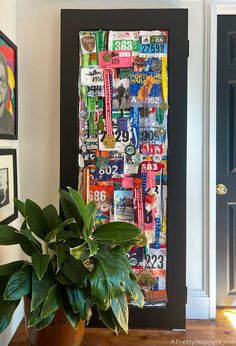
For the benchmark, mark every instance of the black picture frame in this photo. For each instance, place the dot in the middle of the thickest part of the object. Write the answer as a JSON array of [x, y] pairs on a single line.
[[8, 172], [173, 316], [10, 57]]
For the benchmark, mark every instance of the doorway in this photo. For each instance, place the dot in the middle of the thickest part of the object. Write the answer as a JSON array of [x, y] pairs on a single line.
[[226, 162]]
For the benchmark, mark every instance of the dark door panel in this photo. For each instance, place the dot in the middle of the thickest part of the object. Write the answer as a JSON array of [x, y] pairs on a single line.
[[226, 161]]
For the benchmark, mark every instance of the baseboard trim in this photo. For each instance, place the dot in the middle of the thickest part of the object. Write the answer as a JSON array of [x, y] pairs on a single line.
[[198, 306]]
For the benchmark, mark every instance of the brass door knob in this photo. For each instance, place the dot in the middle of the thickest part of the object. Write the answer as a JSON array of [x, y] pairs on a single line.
[[221, 189]]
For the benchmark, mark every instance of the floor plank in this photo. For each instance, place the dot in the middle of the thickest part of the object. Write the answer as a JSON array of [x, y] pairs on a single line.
[[222, 331]]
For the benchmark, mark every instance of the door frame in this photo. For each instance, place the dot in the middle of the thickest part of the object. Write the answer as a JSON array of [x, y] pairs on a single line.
[[213, 8]]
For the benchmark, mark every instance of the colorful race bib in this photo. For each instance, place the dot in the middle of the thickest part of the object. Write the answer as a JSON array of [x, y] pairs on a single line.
[[115, 59], [88, 42], [153, 44], [114, 167], [119, 40], [122, 138], [103, 196], [91, 77], [156, 261], [152, 135], [145, 89], [152, 166]]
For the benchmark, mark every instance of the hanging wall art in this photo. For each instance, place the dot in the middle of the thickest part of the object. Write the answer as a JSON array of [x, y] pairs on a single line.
[[123, 141], [8, 185], [8, 88]]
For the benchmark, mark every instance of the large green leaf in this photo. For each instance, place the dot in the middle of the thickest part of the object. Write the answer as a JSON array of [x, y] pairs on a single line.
[[75, 271], [41, 288], [73, 318], [106, 243], [133, 290], [52, 234], [23, 225], [60, 250], [93, 246], [81, 301], [68, 234], [36, 219], [10, 268], [52, 301], [52, 217], [40, 264], [60, 277], [85, 311], [117, 231], [80, 205], [81, 252], [128, 278], [73, 242], [28, 246], [3, 284], [105, 280], [34, 316], [92, 209], [45, 322], [120, 309], [7, 309], [8, 235], [20, 206], [19, 284], [29, 235], [70, 210], [111, 276], [119, 256], [109, 319], [76, 298]]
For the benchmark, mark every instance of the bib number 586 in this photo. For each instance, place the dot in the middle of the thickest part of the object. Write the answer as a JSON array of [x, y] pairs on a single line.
[[98, 196]]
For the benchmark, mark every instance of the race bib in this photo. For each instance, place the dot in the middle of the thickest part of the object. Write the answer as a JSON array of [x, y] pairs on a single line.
[[92, 77], [103, 196], [88, 42], [145, 89], [122, 138], [152, 135], [153, 44], [115, 59], [114, 168], [119, 40]]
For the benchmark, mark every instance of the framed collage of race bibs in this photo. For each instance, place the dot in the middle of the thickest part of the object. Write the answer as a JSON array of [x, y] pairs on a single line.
[[123, 140]]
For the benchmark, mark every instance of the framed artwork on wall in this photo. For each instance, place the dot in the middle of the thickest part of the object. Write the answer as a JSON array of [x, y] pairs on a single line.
[[121, 142], [8, 185], [8, 88]]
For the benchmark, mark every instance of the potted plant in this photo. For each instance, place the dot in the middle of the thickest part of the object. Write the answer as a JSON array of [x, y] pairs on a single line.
[[72, 268]]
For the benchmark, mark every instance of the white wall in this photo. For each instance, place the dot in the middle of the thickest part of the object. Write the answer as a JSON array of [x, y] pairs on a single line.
[[10, 253], [38, 39]]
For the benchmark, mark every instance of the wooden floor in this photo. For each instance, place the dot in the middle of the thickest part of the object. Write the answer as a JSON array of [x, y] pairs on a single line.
[[221, 331]]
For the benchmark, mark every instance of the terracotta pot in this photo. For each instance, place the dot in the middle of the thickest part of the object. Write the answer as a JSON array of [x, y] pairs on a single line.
[[58, 333]]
